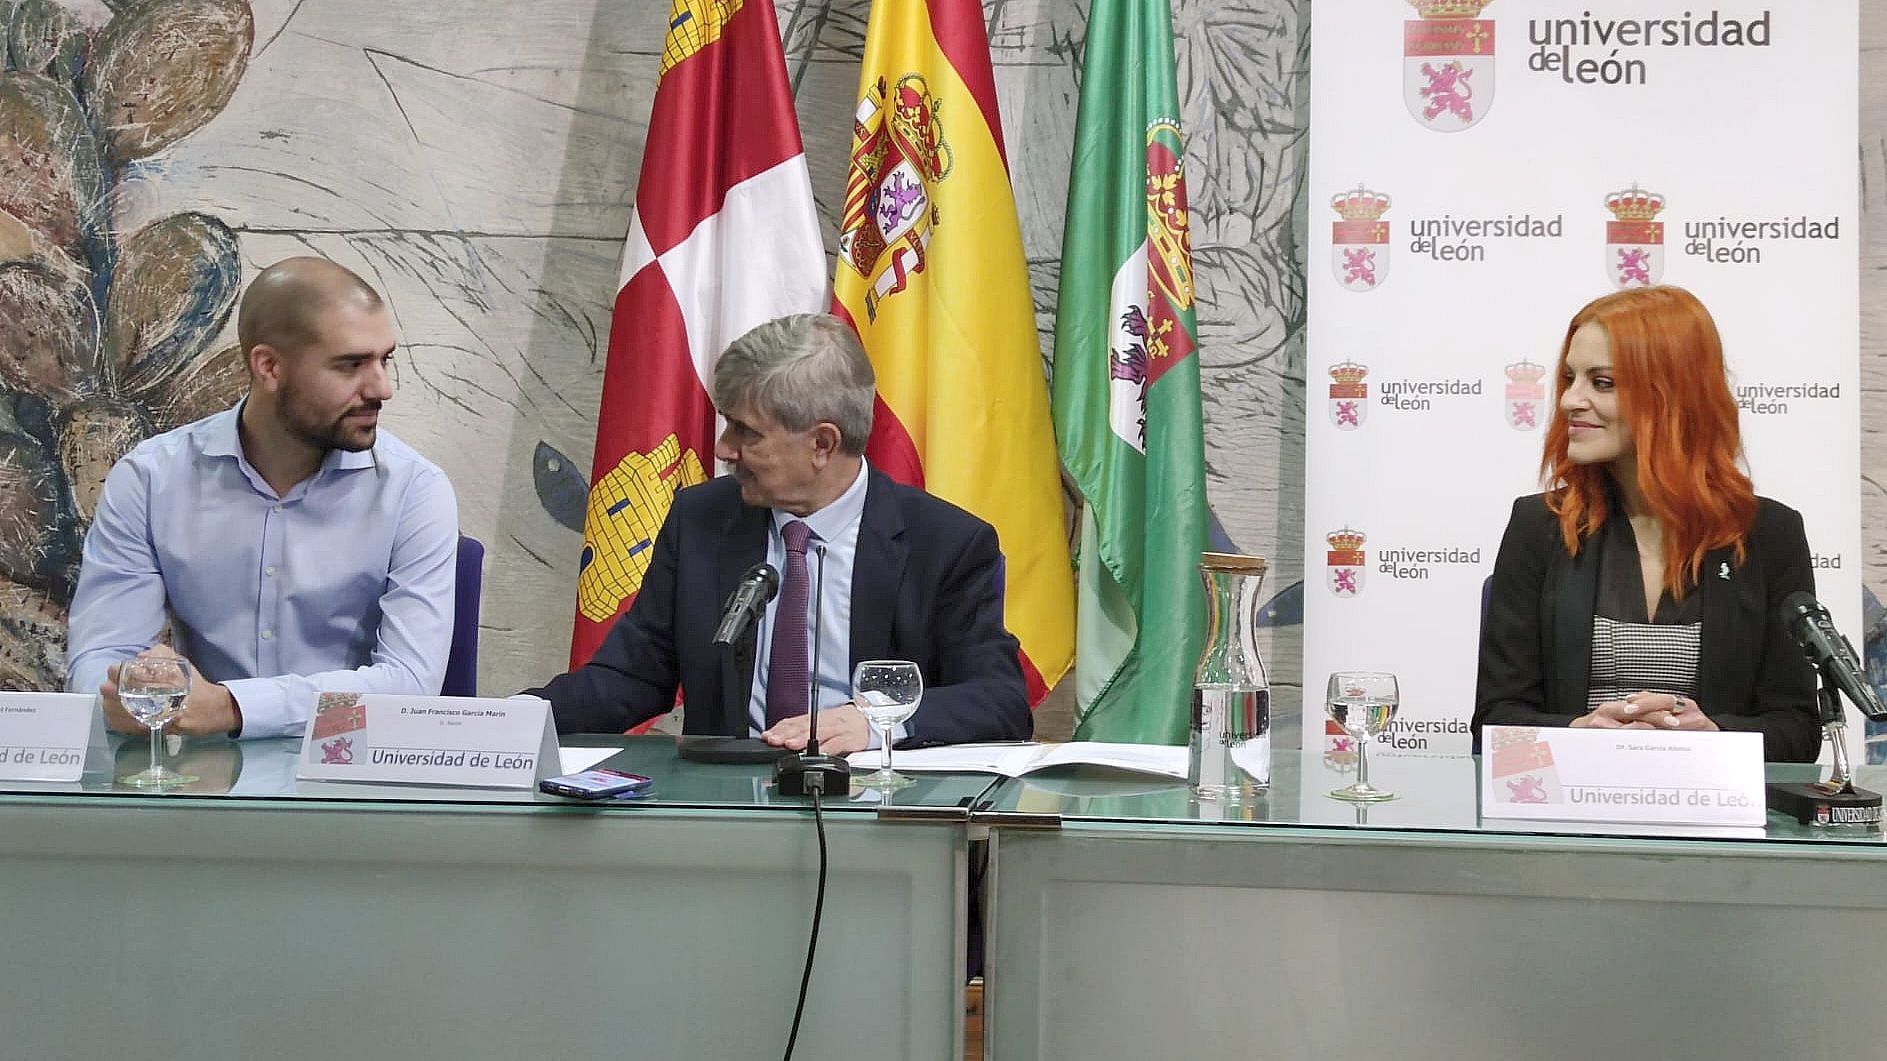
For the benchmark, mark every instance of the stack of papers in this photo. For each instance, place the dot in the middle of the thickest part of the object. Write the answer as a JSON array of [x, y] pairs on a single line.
[[1015, 760]]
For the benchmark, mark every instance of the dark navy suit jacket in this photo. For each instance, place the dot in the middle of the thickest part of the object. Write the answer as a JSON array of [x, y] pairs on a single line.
[[925, 588]]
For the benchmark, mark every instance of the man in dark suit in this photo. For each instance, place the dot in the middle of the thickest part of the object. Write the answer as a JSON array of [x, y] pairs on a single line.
[[905, 575]]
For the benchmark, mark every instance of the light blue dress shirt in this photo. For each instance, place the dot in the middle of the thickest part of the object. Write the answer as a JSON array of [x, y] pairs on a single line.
[[345, 583], [835, 525]]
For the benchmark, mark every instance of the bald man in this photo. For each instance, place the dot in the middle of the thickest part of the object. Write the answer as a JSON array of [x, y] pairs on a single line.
[[291, 544]]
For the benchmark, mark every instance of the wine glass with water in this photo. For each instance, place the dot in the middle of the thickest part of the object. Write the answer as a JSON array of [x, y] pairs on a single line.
[[887, 692], [153, 690], [1363, 703]]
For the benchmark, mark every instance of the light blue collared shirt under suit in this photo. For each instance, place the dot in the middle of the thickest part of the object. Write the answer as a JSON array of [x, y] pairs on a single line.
[[836, 526]]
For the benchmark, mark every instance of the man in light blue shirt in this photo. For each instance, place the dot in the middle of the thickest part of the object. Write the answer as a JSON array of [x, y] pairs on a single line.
[[292, 546]]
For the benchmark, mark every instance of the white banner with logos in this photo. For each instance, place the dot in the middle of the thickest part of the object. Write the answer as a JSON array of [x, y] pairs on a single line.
[[1479, 170]]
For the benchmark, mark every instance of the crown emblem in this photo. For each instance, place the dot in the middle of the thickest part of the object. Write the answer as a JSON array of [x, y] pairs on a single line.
[[1360, 204], [1449, 8], [1514, 737], [1349, 372], [1524, 371], [1345, 540], [1634, 204]]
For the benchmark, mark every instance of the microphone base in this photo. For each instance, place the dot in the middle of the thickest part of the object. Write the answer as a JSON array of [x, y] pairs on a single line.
[[1813, 804], [753, 751], [793, 776]]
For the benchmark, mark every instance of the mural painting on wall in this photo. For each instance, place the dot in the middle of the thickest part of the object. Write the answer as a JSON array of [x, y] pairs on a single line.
[[106, 337]]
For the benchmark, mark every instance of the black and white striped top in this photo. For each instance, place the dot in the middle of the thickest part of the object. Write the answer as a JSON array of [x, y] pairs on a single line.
[[1633, 651], [1642, 657]]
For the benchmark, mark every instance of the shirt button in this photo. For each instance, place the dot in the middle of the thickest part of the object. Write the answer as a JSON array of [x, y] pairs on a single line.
[[268, 635], [278, 508], [269, 570]]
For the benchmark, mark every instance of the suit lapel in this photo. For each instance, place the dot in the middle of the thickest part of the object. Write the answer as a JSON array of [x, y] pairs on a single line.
[[743, 544], [1573, 610], [877, 571], [1729, 595]]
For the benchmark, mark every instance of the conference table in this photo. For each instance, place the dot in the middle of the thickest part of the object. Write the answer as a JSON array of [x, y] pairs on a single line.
[[252, 915], [1128, 920]]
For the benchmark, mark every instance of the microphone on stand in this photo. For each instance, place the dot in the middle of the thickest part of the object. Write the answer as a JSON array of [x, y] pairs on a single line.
[[810, 773], [747, 603], [1810, 626], [733, 640], [1835, 801]]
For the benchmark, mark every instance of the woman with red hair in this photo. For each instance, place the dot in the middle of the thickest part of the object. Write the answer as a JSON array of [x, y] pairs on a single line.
[[1642, 589]]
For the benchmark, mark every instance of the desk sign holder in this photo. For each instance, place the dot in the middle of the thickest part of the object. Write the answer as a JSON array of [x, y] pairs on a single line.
[[1631, 777], [429, 740], [47, 736]]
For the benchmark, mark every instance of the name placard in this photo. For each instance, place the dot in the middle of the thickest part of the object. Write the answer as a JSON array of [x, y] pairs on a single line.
[[1622, 776], [44, 736], [429, 740]]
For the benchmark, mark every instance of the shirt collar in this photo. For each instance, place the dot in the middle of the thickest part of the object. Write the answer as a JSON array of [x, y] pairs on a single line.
[[347, 458], [830, 523], [222, 438], [219, 433]]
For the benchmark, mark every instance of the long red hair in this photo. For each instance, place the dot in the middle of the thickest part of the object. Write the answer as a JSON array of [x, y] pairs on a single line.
[[1674, 397]]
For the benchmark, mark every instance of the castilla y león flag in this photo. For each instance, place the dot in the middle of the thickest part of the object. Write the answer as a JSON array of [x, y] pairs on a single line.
[[931, 273], [723, 238]]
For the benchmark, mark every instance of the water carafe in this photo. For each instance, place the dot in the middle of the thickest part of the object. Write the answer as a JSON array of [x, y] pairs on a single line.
[[1230, 752]]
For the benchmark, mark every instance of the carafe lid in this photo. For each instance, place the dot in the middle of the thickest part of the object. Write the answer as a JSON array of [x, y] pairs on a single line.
[[1232, 563]]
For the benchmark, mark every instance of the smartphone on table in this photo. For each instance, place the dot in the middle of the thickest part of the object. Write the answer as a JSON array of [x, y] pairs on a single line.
[[598, 783]]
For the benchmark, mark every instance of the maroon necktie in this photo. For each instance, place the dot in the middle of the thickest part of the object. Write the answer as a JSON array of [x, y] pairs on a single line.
[[788, 687]]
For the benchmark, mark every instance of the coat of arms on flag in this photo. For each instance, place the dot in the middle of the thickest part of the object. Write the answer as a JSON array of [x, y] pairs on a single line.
[[692, 26], [627, 506], [899, 152]]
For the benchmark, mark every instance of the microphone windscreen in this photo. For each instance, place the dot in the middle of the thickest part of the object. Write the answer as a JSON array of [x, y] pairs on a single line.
[[1798, 604]]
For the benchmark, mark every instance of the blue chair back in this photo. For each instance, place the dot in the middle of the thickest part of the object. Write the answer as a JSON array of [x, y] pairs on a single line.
[[462, 661], [1487, 597]]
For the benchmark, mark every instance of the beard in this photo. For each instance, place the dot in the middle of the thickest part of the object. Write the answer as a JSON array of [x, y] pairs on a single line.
[[329, 433]]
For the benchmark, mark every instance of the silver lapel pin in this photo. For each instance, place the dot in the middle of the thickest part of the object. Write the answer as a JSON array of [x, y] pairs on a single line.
[[1723, 570]]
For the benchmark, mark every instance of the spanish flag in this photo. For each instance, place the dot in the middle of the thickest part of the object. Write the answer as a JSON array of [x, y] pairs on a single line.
[[931, 273]]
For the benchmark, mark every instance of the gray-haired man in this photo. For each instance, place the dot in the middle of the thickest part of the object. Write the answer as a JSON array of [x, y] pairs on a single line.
[[905, 575]]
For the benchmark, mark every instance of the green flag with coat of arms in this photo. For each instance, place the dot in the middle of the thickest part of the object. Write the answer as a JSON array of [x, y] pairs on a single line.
[[1126, 389]]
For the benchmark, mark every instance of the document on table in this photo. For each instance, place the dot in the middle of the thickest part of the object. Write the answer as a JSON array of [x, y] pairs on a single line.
[[1015, 760], [577, 760]]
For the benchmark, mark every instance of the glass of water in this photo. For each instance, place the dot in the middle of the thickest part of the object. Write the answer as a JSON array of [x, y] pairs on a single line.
[[153, 689], [1363, 703], [887, 691]]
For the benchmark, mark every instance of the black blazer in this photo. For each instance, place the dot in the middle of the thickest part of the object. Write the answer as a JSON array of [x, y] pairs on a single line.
[[1536, 638], [924, 588]]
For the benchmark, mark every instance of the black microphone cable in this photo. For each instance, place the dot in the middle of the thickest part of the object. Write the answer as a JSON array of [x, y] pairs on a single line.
[[818, 910], [815, 785]]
